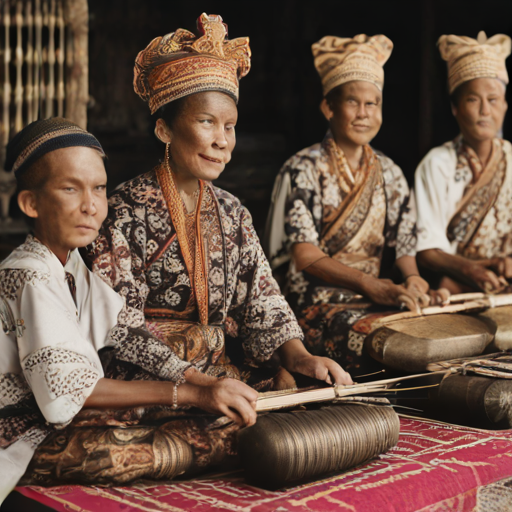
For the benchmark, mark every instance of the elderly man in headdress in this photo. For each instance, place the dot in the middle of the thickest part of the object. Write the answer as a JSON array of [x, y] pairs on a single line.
[[202, 314], [183, 253], [338, 204], [464, 187]]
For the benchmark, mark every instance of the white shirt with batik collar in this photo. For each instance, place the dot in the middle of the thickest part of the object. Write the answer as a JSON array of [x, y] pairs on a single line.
[[54, 343]]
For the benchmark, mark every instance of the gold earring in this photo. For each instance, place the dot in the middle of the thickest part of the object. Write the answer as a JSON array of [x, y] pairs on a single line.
[[167, 158]]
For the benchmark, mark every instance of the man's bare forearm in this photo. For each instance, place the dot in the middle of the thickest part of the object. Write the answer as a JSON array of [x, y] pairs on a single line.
[[407, 266], [120, 394], [444, 263], [477, 274], [314, 261]]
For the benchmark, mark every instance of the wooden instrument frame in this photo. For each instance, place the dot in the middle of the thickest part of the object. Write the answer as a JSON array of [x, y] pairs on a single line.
[[409, 341]]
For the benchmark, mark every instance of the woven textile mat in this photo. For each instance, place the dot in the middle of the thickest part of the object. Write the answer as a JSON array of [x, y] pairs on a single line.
[[435, 467]]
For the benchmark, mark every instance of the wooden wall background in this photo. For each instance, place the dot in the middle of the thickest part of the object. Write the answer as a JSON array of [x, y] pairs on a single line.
[[278, 109]]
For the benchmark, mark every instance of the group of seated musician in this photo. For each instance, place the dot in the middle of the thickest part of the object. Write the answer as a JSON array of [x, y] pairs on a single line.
[[178, 323], [337, 205]]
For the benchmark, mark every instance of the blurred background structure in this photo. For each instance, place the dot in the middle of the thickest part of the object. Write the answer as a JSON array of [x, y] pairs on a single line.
[[279, 99]]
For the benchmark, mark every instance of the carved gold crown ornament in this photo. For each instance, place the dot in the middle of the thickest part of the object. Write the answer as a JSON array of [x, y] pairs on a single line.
[[180, 63]]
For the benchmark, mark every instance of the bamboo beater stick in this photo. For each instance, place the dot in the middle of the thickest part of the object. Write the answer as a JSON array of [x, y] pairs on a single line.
[[485, 302], [291, 398]]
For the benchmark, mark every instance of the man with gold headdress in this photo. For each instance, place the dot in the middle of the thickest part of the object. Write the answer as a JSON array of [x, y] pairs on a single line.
[[182, 252], [464, 187], [337, 204], [202, 312]]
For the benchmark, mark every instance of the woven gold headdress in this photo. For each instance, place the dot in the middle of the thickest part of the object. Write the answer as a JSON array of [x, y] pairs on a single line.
[[469, 58], [339, 60], [179, 64]]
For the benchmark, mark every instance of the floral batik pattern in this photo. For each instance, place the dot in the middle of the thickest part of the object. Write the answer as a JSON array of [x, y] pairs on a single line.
[[481, 224], [11, 280], [66, 373], [20, 416], [350, 222], [139, 255]]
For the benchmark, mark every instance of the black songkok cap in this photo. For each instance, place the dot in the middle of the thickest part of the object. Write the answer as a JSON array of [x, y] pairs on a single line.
[[44, 136]]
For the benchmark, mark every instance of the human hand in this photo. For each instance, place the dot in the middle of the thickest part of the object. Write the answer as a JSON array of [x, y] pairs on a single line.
[[385, 292], [483, 278], [419, 289], [320, 368], [228, 397], [295, 358], [501, 266], [424, 295], [439, 297]]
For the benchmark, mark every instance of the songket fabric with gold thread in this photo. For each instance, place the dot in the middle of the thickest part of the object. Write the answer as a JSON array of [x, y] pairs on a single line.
[[351, 217], [179, 64], [463, 207]]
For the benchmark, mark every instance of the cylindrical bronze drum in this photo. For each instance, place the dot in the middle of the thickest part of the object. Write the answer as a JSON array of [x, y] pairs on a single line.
[[284, 448], [473, 400]]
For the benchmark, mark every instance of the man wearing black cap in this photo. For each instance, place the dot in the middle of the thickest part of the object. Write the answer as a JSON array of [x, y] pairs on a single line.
[[56, 315]]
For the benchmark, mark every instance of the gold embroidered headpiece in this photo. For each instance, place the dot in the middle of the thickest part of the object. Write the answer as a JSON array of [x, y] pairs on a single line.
[[339, 60], [469, 58], [179, 64]]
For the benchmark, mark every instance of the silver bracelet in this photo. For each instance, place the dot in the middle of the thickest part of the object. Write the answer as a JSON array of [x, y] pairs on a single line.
[[181, 380]]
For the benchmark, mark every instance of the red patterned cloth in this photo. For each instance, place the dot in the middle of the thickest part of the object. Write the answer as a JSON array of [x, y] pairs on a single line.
[[434, 467]]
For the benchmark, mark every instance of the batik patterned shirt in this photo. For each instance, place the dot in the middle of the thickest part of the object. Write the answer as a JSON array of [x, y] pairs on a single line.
[[314, 195], [464, 208], [139, 255]]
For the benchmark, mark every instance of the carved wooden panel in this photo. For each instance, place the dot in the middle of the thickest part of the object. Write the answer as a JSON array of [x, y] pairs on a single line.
[[43, 69]]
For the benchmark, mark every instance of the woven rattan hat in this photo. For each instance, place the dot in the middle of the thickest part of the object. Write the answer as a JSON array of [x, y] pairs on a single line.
[[469, 58], [339, 60]]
